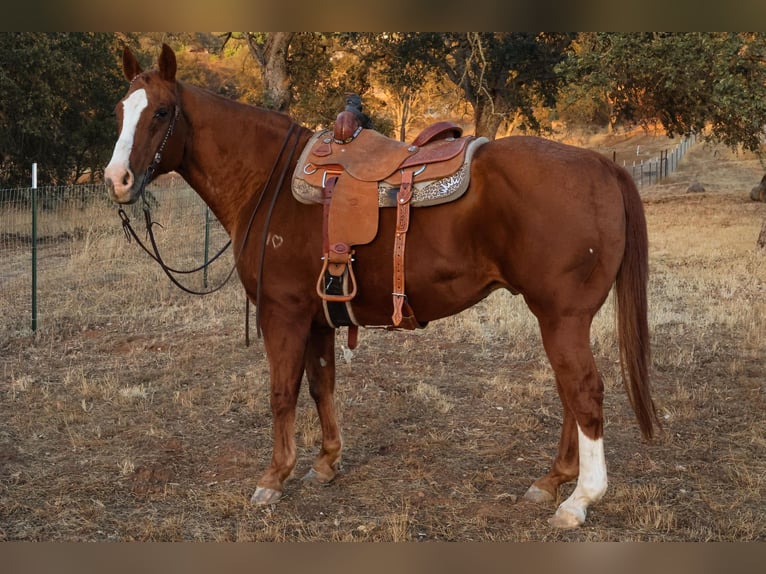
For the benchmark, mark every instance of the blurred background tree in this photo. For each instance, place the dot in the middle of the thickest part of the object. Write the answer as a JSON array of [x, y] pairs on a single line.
[[686, 82], [59, 89], [58, 95]]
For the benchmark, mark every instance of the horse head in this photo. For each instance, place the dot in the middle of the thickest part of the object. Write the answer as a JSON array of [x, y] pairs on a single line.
[[151, 128]]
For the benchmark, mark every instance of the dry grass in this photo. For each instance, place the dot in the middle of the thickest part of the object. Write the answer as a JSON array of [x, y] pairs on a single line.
[[138, 414]]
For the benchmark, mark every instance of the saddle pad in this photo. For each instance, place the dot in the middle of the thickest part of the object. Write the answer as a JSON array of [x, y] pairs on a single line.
[[432, 190]]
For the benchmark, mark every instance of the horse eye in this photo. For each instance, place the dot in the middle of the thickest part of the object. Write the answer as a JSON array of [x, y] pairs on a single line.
[[161, 113]]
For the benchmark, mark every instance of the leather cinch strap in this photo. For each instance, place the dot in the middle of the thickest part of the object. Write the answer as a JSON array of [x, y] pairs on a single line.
[[402, 225], [337, 268]]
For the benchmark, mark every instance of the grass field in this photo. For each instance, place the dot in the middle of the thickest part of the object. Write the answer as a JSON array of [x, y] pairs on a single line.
[[139, 414]]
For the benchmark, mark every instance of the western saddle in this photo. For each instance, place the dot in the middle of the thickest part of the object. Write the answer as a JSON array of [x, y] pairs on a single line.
[[353, 172]]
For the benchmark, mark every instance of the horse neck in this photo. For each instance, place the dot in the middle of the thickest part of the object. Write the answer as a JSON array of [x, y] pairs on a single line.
[[230, 151]]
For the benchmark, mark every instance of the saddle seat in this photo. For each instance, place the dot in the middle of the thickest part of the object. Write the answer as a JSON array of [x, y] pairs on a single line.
[[371, 156]]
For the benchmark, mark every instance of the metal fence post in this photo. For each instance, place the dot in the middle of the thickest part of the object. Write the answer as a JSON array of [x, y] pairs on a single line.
[[34, 247]]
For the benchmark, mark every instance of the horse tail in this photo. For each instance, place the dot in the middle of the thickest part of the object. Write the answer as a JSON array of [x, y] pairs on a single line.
[[632, 307]]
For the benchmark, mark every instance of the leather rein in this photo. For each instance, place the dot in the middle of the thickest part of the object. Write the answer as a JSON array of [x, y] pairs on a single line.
[[154, 253]]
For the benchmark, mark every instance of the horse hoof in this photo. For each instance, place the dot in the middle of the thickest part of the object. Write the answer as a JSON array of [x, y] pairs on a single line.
[[263, 496], [314, 477], [566, 518], [538, 495]]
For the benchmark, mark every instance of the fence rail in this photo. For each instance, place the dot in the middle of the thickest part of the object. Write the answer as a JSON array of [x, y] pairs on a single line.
[[651, 172], [75, 236]]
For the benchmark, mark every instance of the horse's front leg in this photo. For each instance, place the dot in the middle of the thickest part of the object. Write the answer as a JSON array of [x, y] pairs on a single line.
[[320, 371], [285, 344]]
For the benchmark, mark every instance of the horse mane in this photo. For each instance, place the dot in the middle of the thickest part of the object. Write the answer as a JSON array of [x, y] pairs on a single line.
[[264, 117]]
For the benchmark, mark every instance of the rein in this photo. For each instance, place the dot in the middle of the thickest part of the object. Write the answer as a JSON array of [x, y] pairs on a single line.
[[154, 253]]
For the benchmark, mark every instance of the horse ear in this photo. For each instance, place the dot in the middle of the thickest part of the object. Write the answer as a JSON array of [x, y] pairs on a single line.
[[167, 63], [130, 66]]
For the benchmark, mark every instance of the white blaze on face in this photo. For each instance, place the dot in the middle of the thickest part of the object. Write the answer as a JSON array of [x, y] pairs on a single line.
[[132, 108]]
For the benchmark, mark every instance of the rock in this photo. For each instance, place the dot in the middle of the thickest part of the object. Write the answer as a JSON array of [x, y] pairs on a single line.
[[696, 187], [758, 193]]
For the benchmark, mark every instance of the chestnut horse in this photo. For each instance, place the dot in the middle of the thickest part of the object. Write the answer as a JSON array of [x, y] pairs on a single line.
[[557, 224]]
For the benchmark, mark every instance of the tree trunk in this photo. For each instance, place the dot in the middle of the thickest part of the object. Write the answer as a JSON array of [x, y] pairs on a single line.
[[272, 57], [405, 116], [487, 122], [762, 237]]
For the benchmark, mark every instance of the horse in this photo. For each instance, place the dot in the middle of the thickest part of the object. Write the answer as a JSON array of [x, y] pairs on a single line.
[[556, 224]]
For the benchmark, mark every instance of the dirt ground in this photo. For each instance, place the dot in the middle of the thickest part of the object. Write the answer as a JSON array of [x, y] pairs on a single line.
[[153, 424]]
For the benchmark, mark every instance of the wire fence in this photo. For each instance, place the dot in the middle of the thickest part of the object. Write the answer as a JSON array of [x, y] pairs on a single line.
[[78, 240], [73, 237], [651, 172]]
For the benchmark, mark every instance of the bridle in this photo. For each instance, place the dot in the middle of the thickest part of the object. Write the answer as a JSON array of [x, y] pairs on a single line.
[[149, 173], [154, 253]]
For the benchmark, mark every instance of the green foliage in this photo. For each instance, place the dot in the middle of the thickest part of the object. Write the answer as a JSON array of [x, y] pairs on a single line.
[[320, 74], [59, 90], [583, 108], [316, 68], [395, 64], [503, 75], [689, 82]]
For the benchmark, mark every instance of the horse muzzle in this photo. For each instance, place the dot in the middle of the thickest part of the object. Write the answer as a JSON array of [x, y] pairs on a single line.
[[121, 184]]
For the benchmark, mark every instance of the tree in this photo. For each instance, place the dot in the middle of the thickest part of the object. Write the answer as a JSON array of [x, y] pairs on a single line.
[[59, 90], [394, 61], [323, 71], [503, 75], [688, 82], [271, 51], [299, 72]]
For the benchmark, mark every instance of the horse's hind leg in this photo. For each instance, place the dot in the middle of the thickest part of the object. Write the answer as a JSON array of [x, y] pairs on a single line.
[[320, 371], [566, 464], [581, 450]]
